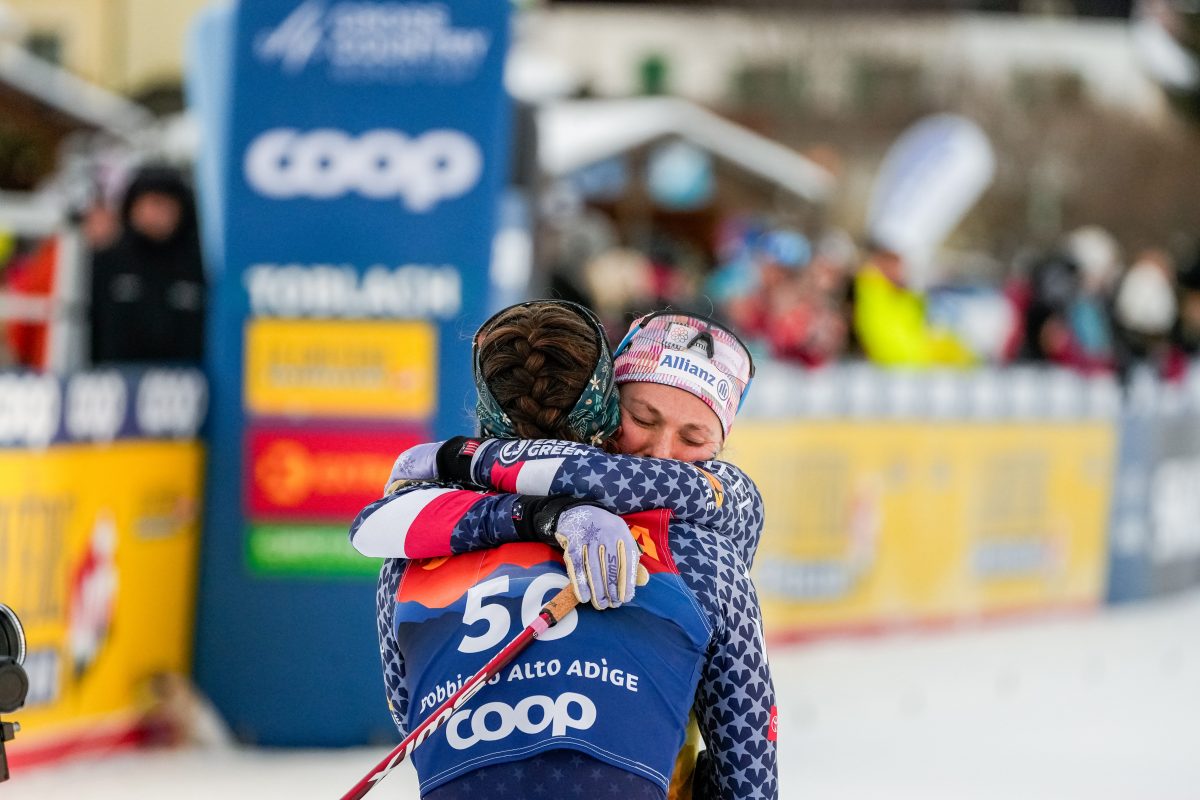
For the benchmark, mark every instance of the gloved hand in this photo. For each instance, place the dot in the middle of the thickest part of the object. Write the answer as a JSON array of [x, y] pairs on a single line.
[[414, 464], [450, 460], [601, 556]]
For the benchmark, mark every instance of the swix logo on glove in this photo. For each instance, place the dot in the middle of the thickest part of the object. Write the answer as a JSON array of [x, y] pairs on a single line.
[[381, 164], [493, 721], [773, 725]]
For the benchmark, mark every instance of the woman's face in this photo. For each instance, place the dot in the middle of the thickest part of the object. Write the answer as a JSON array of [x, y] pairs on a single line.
[[664, 422]]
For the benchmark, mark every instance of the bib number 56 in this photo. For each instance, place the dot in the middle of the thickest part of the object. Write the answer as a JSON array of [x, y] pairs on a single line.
[[498, 618]]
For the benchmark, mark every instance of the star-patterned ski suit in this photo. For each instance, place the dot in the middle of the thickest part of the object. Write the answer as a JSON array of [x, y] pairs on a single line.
[[733, 696]]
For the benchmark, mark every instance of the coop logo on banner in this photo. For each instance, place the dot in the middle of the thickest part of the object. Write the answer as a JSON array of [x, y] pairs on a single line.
[[381, 164], [387, 41]]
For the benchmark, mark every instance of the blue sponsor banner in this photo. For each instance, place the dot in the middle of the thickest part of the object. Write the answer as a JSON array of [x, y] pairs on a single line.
[[1155, 538], [38, 410], [362, 163], [1130, 528], [208, 80], [1175, 503]]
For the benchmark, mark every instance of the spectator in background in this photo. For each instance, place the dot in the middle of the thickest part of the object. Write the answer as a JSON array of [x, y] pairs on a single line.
[[732, 285], [778, 256], [100, 222], [31, 276], [890, 321], [1098, 257], [1187, 328], [805, 312], [1054, 286], [8, 250], [785, 300], [1146, 312], [148, 287]]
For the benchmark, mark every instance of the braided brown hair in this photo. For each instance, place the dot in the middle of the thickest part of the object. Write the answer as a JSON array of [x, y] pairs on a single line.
[[536, 361]]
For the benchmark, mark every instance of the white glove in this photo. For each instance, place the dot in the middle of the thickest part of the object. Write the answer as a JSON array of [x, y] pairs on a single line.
[[417, 463], [601, 555]]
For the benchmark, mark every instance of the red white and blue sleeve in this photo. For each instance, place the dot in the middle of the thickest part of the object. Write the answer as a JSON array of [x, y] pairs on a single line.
[[429, 520], [714, 494]]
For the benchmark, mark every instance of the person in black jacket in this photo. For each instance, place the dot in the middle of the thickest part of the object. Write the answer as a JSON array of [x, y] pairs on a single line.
[[148, 287]]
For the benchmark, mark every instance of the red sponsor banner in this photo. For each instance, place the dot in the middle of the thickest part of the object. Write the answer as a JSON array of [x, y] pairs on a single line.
[[323, 473]]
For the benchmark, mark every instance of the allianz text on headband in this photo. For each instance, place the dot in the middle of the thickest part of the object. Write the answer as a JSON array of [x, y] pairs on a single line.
[[704, 337]]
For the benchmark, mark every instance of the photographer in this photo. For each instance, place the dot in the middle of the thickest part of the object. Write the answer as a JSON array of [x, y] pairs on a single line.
[[14, 683]]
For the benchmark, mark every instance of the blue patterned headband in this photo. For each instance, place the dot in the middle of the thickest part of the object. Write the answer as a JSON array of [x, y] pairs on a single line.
[[596, 414]]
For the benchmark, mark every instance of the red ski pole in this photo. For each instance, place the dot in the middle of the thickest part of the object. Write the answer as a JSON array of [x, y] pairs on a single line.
[[553, 612]]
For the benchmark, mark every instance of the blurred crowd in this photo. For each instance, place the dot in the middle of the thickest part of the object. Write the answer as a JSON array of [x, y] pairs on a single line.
[[818, 299], [810, 299], [145, 287]]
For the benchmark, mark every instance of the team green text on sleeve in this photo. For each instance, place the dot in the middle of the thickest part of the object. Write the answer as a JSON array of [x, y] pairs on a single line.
[[714, 494], [456, 520]]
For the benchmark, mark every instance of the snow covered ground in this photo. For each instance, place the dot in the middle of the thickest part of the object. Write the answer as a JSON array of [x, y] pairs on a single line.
[[1106, 706]]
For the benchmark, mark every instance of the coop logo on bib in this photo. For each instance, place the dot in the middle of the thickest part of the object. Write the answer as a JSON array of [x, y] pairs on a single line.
[[496, 720]]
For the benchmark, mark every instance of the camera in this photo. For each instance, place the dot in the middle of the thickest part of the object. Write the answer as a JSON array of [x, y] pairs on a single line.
[[14, 683]]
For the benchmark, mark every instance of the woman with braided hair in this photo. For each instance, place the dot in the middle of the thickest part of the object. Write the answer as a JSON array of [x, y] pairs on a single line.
[[532, 355], [601, 704]]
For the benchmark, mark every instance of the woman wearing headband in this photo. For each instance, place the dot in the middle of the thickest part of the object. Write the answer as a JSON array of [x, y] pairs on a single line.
[[682, 380], [678, 620]]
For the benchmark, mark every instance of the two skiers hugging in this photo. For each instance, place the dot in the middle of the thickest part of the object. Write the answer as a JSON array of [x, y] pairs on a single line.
[[595, 469]]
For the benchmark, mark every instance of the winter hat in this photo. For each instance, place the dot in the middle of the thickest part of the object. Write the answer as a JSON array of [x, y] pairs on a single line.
[[689, 352], [1146, 301]]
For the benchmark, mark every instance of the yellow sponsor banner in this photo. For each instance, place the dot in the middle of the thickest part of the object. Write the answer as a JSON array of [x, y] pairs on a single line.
[[341, 368], [873, 523], [98, 559]]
